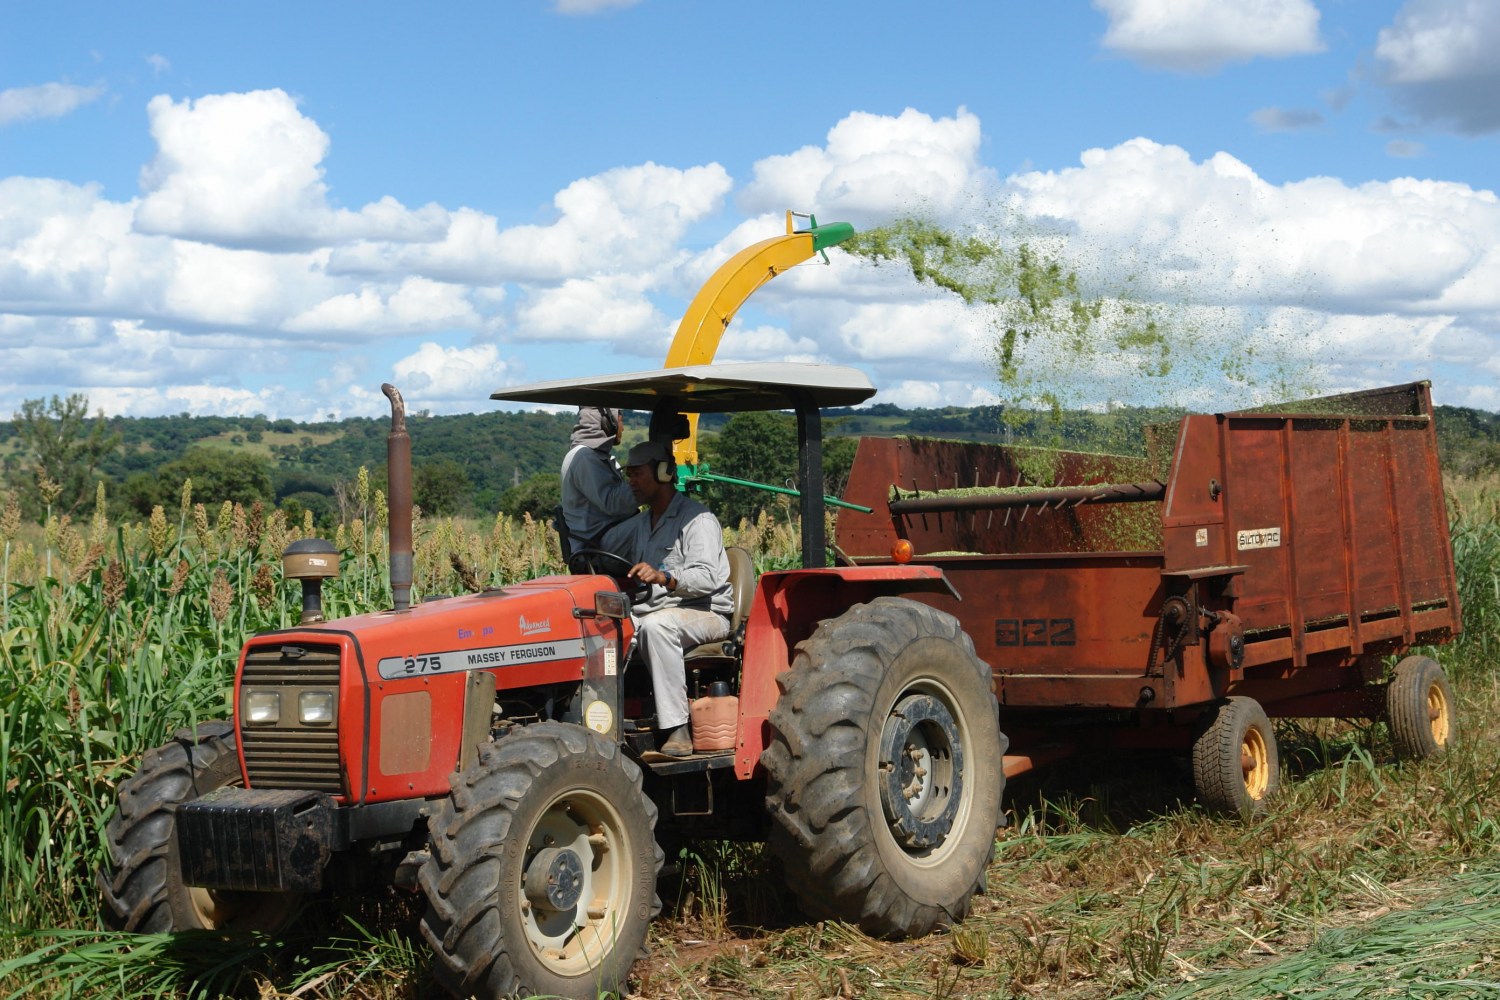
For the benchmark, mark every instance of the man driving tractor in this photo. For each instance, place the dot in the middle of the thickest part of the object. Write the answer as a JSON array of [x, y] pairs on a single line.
[[677, 547]]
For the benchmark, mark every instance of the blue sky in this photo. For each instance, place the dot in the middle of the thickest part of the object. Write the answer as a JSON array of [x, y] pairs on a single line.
[[273, 208]]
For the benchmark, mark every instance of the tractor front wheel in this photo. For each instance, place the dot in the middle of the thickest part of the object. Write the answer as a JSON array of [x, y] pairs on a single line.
[[886, 769], [143, 889], [1420, 709], [542, 878], [1236, 767]]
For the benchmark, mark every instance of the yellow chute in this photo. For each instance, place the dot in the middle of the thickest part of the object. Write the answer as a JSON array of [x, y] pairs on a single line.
[[702, 327]]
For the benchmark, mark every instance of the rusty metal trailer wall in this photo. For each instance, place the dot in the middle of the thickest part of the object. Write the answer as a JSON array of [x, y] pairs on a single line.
[[1338, 523]]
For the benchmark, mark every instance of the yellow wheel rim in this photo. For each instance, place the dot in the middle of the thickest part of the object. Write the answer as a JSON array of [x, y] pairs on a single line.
[[1255, 761], [573, 939], [1439, 714]]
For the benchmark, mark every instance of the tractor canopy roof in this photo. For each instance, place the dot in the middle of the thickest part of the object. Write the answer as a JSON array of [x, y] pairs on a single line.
[[726, 388]]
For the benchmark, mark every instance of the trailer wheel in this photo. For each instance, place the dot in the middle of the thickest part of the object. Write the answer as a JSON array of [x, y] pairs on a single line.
[[142, 888], [1420, 709], [886, 769], [1236, 768], [542, 876]]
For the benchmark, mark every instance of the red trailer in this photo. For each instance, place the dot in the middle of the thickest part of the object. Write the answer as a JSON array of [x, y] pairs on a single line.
[[1260, 563]]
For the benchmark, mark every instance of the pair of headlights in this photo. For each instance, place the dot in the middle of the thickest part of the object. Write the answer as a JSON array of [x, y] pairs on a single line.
[[263, 708]]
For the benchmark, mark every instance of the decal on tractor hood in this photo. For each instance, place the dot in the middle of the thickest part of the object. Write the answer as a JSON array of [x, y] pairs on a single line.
[[454, 660]]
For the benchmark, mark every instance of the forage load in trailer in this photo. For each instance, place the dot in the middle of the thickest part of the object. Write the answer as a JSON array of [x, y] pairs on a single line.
[[492, 751]]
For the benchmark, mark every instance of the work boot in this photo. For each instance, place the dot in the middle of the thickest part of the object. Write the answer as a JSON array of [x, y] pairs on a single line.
[[679, 742]]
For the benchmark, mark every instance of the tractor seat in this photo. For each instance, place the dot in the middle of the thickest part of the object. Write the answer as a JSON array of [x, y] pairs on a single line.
[[742, 589]]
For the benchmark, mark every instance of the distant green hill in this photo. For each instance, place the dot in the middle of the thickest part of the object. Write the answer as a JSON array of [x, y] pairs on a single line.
[[472, 460]]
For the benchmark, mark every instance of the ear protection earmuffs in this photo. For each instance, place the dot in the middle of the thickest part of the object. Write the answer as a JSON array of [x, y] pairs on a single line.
[[609, 421], [666, 472]]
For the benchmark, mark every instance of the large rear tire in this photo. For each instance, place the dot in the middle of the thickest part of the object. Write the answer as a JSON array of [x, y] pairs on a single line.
[[1236, 766], [143, 889], [886, 769], [1420, 709], [542, 878]]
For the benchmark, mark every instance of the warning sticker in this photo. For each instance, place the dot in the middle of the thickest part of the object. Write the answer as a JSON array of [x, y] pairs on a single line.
[[1258, 538], [598, 717]]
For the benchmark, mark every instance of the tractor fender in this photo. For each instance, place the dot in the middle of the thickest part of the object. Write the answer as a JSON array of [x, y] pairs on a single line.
[[786, 608]]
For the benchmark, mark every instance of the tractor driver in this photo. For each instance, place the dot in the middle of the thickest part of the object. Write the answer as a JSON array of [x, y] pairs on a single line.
[[677, 547], [594, 496]]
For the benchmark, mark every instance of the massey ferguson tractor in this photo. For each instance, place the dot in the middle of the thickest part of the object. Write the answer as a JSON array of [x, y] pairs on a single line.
[[492, 750]]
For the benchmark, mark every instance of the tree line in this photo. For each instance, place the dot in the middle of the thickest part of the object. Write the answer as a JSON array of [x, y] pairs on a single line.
[[54, 454]]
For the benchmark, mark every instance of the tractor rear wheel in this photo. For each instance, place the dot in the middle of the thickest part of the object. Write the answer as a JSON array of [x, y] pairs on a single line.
[[1420, 709], [143, 889], [542, 876], [1236, 767], [886, 769]]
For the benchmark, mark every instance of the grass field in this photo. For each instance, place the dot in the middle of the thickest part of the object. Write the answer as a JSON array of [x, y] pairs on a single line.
[[1366, 878]]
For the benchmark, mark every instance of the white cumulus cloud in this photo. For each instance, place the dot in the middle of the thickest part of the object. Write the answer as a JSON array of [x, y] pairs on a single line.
[[437, 374], [874, 166], [1204, 35], [625, 219], [244, 170], [918, 394], [612, 308], [417, 305], [1218, 229]]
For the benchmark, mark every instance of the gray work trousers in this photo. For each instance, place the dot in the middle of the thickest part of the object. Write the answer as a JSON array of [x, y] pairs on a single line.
[[664, 636]]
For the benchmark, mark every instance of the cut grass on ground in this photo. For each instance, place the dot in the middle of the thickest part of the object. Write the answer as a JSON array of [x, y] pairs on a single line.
[[1110, 882]]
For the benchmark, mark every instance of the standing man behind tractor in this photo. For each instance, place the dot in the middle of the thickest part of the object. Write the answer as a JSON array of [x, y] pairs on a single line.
[[594, 496], [677, 547]]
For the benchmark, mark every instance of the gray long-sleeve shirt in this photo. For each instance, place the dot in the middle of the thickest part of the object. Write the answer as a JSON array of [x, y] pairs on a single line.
[[594, 494], [688, 544]]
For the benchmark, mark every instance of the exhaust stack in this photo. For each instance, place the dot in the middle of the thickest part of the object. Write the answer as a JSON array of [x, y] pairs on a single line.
[[398, 475]]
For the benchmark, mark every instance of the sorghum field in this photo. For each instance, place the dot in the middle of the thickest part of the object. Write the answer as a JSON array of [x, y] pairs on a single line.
[[1367, 878]]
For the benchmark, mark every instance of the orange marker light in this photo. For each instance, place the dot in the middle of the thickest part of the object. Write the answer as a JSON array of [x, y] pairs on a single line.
[[901, 551]]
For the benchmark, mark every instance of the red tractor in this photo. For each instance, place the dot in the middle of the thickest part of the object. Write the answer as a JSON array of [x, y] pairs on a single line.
[[489, 749]]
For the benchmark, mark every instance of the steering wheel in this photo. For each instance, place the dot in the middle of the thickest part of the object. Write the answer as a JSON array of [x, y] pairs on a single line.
[[590, 560]]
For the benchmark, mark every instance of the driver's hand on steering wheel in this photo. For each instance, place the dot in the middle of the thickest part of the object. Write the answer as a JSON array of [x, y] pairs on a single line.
[[647, 573]]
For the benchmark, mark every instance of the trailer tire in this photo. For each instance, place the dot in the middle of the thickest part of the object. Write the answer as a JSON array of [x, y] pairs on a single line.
[[1236, 767], [868, 696], [142, 887], [547, 822], [1420, 709]]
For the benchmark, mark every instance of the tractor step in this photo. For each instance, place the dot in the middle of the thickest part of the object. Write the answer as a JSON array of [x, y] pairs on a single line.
[[660, 763]]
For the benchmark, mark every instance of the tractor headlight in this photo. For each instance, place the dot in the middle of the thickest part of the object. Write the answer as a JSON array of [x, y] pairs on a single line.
[[262, 708], [315, 708]]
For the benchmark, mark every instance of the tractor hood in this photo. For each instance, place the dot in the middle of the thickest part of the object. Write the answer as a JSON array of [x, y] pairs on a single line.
[[386, 705], [525, 624]]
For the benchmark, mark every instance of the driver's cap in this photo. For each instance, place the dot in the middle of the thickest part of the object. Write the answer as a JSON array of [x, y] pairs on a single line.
[[648, 453]]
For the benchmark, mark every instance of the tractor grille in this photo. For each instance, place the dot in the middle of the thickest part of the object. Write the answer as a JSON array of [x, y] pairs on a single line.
[[291, 755]]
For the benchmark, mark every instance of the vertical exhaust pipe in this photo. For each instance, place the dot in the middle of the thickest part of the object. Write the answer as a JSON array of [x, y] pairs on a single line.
[[398, 476]]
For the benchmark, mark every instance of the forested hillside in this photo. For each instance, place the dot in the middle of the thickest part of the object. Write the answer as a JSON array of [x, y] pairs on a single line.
[[483, 463]]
